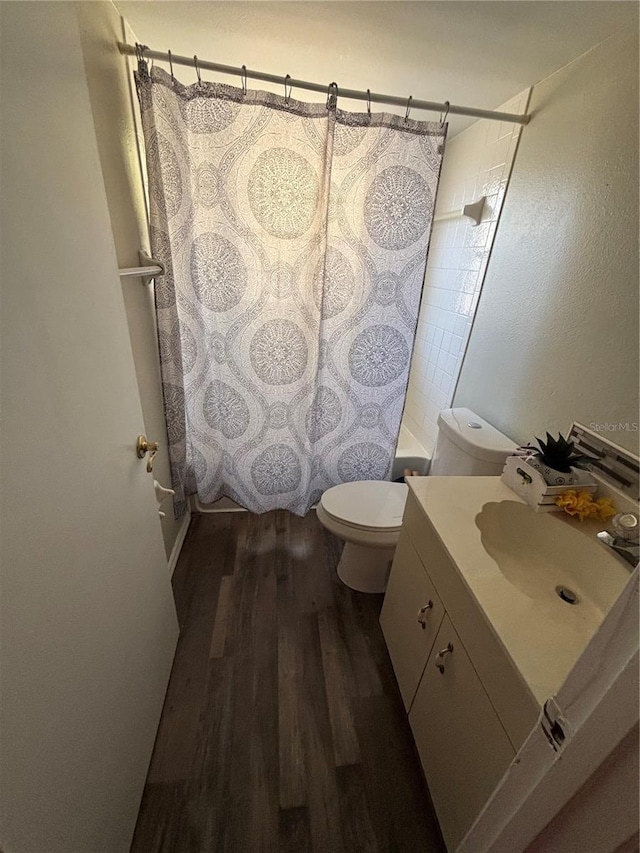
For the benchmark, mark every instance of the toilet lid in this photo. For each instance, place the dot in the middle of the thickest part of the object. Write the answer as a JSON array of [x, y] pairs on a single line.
[[367, 503]]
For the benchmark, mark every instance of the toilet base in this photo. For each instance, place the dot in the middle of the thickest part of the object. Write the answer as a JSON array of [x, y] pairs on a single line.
[[365, 569]]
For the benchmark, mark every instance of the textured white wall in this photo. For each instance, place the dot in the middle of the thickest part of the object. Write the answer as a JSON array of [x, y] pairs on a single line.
[[110, 80], [467, 52], [476, 163], [603, 815], [555, 337]]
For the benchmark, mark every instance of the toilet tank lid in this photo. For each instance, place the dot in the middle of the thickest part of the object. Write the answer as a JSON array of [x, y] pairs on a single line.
[[474, 435]]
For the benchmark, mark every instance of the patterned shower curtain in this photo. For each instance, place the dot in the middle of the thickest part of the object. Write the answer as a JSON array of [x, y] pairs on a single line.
[[294, 238]]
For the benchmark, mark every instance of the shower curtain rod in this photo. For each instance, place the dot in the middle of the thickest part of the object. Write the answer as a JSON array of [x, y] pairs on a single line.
[[352, 94]]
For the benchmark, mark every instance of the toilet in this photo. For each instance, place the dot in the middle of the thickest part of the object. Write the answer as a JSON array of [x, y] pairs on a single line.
[[368, 514]]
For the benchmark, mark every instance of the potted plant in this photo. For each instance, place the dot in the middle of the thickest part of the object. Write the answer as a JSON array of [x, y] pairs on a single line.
[[558, 461]]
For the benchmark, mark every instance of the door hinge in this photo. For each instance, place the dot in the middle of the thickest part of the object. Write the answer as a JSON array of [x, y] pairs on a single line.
[[555, 727]]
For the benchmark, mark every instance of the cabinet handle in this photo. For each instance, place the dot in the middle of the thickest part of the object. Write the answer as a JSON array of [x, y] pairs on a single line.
[[422, 613], [440, 656]]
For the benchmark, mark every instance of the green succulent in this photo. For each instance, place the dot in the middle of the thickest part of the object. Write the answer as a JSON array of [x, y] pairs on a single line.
[[558, 454]]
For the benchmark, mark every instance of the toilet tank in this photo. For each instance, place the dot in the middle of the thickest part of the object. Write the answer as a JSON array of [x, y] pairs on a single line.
[[468, 446]]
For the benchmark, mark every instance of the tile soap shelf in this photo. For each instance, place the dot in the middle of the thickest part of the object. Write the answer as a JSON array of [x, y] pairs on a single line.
[[613, 464]]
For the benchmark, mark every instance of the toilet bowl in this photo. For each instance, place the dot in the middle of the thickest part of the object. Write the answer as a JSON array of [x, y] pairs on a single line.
[[367, 515]]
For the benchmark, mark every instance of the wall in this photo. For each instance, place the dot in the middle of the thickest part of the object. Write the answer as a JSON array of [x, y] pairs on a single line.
[[110, 81], [477, 162], [88, 625], [467, 52], [603, 815], [555, 337]]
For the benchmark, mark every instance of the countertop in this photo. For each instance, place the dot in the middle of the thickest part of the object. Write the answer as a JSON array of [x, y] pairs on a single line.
[[544, 637]]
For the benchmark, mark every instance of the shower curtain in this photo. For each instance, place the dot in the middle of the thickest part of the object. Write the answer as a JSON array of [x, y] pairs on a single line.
[[294, 239]]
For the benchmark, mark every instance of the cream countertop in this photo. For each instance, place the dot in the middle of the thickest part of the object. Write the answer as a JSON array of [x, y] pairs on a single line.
[[543, 635]]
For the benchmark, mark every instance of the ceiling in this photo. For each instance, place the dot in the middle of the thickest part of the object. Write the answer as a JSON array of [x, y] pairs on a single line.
[[474, 52]]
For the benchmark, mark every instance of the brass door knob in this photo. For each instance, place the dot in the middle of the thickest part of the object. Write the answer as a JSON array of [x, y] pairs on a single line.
[[144, 446]]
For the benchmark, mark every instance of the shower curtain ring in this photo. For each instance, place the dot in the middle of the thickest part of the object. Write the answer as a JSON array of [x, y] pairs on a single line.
[[140, 49], [406, 115], [287, 95], [369, 102], [243, 78], [446, 113], [173, 79], [332, 95], [195, 62]]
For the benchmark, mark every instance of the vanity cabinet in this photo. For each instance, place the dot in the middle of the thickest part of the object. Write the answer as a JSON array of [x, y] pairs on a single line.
[[469, 707], [462, 745], [410, 618]]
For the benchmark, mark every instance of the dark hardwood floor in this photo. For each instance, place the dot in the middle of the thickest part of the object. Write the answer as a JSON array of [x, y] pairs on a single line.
[[283, 728]]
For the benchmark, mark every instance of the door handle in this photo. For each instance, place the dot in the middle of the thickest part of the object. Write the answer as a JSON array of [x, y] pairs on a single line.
[[441, 656], [422, 613], [144, 446]]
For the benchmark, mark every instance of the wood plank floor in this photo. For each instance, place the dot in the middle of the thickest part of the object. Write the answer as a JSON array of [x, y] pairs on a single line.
[[283, 728]]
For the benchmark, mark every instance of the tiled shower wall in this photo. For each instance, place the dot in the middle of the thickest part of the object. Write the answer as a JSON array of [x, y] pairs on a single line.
[[476, 163]]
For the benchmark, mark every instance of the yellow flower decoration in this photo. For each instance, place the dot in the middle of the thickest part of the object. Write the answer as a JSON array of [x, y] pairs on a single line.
[[606, 509], [584, 506]]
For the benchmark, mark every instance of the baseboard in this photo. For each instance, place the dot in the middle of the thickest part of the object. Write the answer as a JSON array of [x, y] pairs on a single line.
[[177, 545]]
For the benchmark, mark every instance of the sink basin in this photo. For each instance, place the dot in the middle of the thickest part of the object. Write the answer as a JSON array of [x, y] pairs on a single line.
[[552, 558]]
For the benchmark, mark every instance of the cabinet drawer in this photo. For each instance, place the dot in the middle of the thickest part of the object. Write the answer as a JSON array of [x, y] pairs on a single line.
[[463, 747], [511, 697], [410, 617]]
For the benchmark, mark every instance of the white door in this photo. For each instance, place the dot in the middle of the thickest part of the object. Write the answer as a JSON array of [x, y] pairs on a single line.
[[88, 621]]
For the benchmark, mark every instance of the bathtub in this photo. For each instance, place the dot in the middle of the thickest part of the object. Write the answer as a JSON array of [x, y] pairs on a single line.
[[409, 454]]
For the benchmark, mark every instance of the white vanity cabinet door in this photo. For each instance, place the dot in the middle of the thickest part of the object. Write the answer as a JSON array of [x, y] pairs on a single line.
[[463, 747], [410, 617]]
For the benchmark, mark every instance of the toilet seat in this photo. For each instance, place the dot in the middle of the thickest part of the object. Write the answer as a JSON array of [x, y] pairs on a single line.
[[366, 505]]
